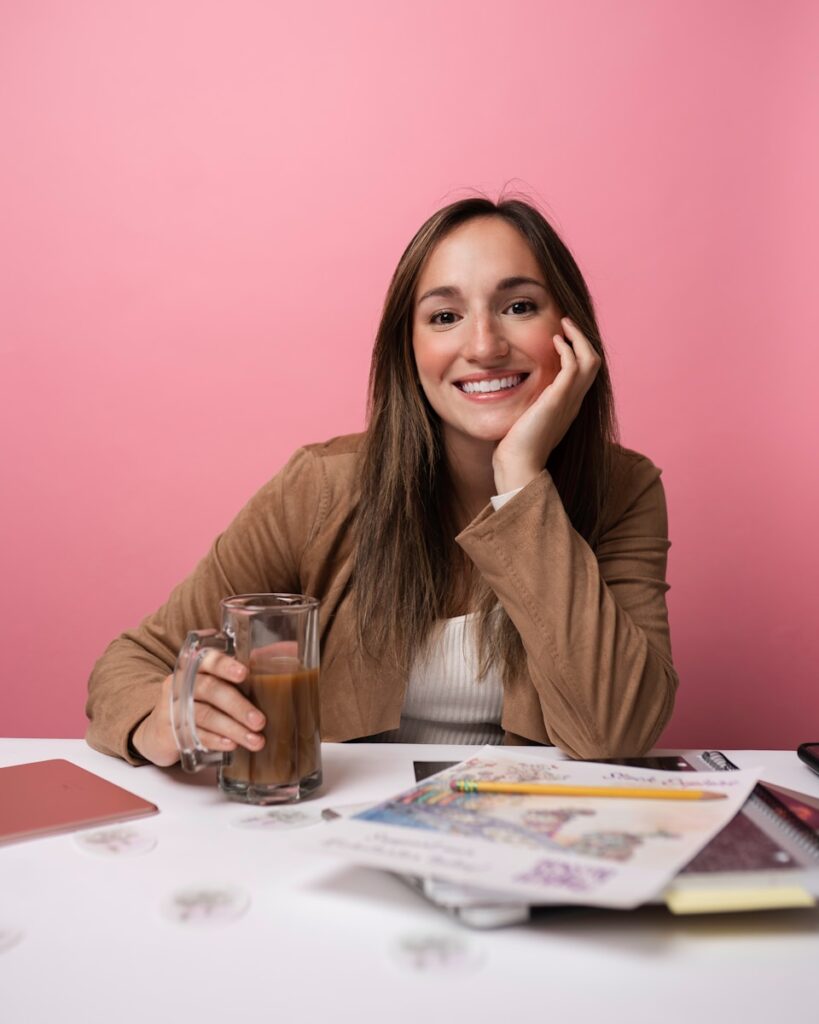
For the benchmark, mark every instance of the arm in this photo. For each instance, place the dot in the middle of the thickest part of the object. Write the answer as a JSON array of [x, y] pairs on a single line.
[[259, 552], [594, 624]]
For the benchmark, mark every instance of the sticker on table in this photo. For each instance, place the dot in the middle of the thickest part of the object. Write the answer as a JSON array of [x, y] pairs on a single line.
[[116, 842], [437, 953], [279, 819], [10, 937], [206, 904]]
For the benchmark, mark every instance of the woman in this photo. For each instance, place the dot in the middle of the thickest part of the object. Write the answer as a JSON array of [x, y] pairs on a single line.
[[468, 594]]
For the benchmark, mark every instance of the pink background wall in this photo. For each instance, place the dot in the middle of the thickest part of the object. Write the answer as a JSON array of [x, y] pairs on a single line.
[[202, 203]]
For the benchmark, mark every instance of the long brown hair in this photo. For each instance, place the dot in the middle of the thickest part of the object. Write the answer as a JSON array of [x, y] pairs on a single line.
[[407, 564]]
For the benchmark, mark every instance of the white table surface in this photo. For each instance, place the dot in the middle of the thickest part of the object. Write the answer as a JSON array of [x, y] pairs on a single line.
[[321, 940]]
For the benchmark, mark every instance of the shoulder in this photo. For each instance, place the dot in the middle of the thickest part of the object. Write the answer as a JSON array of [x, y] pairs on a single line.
[[337, 449], [634, 482], [327, 471], [630, 468], [311, 475], [336, 461], [317, 486]]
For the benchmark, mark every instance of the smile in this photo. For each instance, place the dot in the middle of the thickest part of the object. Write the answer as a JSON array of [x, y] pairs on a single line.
[[489, 385]]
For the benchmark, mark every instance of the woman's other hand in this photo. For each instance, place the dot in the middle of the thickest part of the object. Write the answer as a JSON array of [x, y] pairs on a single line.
[[523, 452], [225, 718]]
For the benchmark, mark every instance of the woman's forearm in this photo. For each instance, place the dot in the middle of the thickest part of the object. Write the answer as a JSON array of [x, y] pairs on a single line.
[[594, 624]]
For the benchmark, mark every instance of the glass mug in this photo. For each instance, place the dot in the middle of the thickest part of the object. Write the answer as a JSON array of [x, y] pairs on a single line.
[[276, 637]]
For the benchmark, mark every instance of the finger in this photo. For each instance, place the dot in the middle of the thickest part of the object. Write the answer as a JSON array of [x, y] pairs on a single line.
[[572, 330], [565, 348], [568, 365], [212, 741], [553, 395], [215, 663], [585, 352], [224, 728], [225, 697]]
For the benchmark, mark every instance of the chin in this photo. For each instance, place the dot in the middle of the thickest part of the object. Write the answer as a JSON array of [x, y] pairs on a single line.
[[491, 433], [493, 436]]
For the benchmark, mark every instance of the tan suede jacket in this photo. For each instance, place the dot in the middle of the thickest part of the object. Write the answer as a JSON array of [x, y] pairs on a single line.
[[594, 624]]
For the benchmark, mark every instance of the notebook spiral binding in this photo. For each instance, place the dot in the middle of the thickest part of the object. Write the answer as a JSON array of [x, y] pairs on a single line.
[[774, 810]]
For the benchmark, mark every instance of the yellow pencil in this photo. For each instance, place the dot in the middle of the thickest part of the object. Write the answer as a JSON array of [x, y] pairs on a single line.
[[558, 789]]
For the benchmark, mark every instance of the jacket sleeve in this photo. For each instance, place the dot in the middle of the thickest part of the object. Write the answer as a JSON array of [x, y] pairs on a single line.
[[594, 624], [258, 553]]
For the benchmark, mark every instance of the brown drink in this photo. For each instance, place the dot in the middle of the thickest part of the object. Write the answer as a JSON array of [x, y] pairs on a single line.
[[287, 695], [277, 637]]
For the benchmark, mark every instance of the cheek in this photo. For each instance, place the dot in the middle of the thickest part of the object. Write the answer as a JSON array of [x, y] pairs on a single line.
[[430, 361], [549, 363]]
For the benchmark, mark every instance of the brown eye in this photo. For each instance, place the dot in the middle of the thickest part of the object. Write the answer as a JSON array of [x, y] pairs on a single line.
[[522, 306], [444, 318]]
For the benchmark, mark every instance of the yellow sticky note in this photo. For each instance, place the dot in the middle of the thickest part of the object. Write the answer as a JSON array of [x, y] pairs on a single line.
[[723, 901]]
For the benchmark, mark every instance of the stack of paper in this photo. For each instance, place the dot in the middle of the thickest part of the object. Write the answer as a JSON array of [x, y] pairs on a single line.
[[556, 849]]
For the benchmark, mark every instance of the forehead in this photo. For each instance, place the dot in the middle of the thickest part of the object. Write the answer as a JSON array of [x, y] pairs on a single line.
[[478, 254]]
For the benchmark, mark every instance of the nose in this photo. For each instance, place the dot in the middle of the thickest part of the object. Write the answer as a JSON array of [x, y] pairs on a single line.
[[484, 341]]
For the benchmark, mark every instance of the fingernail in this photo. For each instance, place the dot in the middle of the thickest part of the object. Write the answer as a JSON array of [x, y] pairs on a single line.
[[238, 671], [567, 320], [255, 718], [254, 739]]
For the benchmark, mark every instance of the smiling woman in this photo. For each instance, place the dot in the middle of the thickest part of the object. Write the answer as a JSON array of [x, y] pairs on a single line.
[[490, 562], [487, 346]]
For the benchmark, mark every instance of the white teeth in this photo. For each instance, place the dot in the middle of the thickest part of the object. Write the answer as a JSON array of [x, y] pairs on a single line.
[[482, 386]]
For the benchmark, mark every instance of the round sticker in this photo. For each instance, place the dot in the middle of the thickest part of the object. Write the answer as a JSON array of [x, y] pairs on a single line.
[[279, 819], [116, 842], [437, 953], [206, 904]]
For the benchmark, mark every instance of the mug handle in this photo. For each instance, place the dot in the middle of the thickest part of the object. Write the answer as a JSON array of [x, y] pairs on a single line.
[[193, 755]]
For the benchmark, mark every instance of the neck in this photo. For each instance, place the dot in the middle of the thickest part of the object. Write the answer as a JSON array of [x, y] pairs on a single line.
[[470, 469]]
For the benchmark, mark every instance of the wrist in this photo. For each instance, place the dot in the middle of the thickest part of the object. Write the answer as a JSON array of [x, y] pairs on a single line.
[[135, 742], [512, 478]]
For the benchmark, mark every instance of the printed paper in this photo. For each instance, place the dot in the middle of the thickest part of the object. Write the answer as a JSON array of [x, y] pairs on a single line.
[[612, 852]]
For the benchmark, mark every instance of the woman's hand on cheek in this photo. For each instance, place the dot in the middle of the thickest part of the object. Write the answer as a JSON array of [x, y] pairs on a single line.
[[522, 454]]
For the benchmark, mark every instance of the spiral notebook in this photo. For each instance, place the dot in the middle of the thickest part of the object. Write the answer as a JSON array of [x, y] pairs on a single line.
[[45, 797]]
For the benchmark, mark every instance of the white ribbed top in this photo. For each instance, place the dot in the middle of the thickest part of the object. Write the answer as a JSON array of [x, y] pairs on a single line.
[[445, 700]]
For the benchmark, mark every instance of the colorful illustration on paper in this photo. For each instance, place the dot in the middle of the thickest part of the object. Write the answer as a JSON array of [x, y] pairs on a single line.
[[524, 821]]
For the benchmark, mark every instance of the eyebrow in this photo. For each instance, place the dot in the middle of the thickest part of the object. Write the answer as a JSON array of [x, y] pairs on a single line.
[[448, 291]]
